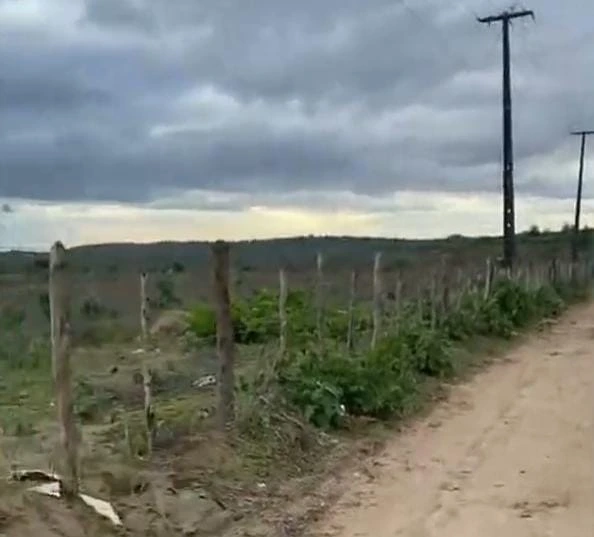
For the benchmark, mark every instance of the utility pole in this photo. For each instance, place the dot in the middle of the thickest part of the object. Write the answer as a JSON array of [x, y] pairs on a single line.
[[509, 226], [578, 200]]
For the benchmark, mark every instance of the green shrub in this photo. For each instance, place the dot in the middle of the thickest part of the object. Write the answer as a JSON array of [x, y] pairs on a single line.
[[549, 302], [324, 381], [202, 322], [256, 319], [167, 297]]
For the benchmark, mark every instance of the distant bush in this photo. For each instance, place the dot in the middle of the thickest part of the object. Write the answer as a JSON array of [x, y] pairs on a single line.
[[44, 304], [534, 230], [41, 262], [178, 267], [202, 323], [167, 297], [256, 319], [91, 308]]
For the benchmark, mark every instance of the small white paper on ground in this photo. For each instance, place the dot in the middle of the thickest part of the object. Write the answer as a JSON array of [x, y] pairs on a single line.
[[102, 507]]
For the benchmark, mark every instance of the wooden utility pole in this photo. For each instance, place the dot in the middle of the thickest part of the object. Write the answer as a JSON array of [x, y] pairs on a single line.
[[578, 201], [509, 227]]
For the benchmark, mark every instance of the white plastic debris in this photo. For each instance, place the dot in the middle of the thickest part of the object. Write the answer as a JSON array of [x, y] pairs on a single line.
[[51, 487], [203, 382], [102, 507], [34, 475]]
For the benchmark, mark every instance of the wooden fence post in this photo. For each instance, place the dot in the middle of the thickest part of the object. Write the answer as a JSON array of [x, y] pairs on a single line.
[[553, 277], [420, 299], [351, 313], [397, 301], [433, 300], [282, 311], [149, 413], [320, 294], [225, 338], [61, 342], [377, 299], [144, 308], [446, 305], [147, 377], [488, 278], [529, 275], [536, 276]]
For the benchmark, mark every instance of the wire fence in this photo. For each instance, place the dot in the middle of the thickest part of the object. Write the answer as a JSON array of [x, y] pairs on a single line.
[[105, 306]]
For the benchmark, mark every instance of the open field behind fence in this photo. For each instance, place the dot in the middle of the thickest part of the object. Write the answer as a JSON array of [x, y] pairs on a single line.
[[291, 353]]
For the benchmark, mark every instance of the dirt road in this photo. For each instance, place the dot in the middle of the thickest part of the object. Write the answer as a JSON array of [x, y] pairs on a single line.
[[509, 454]]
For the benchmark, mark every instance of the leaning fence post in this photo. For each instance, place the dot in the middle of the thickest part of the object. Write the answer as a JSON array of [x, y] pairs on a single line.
[[351, 313], [61, 341], [377, 299], [282, 311], [225, 339]]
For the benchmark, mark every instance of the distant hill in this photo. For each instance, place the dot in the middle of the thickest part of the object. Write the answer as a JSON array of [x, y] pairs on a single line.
[[299, 252]]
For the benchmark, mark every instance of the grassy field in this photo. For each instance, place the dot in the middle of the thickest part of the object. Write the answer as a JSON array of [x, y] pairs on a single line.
[[296, 415]]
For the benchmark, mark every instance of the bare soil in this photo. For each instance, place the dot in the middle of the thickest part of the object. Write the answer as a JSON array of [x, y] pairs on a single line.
[[509, 453]]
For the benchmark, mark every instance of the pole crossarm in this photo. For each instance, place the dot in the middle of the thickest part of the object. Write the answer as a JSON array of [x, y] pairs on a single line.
[[507, 16]]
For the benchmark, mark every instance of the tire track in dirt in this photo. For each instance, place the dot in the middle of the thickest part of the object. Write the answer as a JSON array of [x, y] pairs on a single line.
[[511, 452]]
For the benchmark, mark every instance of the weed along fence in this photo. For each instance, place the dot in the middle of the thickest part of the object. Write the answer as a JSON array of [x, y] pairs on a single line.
[[268, 367]]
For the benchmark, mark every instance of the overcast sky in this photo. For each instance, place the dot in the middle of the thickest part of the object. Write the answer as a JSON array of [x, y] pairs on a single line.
[[190, 119]]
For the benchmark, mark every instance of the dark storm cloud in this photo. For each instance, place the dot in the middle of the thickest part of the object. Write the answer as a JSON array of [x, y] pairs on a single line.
[[118, 13], [43, 93], [392, 95]]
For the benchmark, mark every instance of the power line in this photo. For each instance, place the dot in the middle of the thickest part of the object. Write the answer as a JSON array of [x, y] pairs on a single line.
[[509, 233]]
